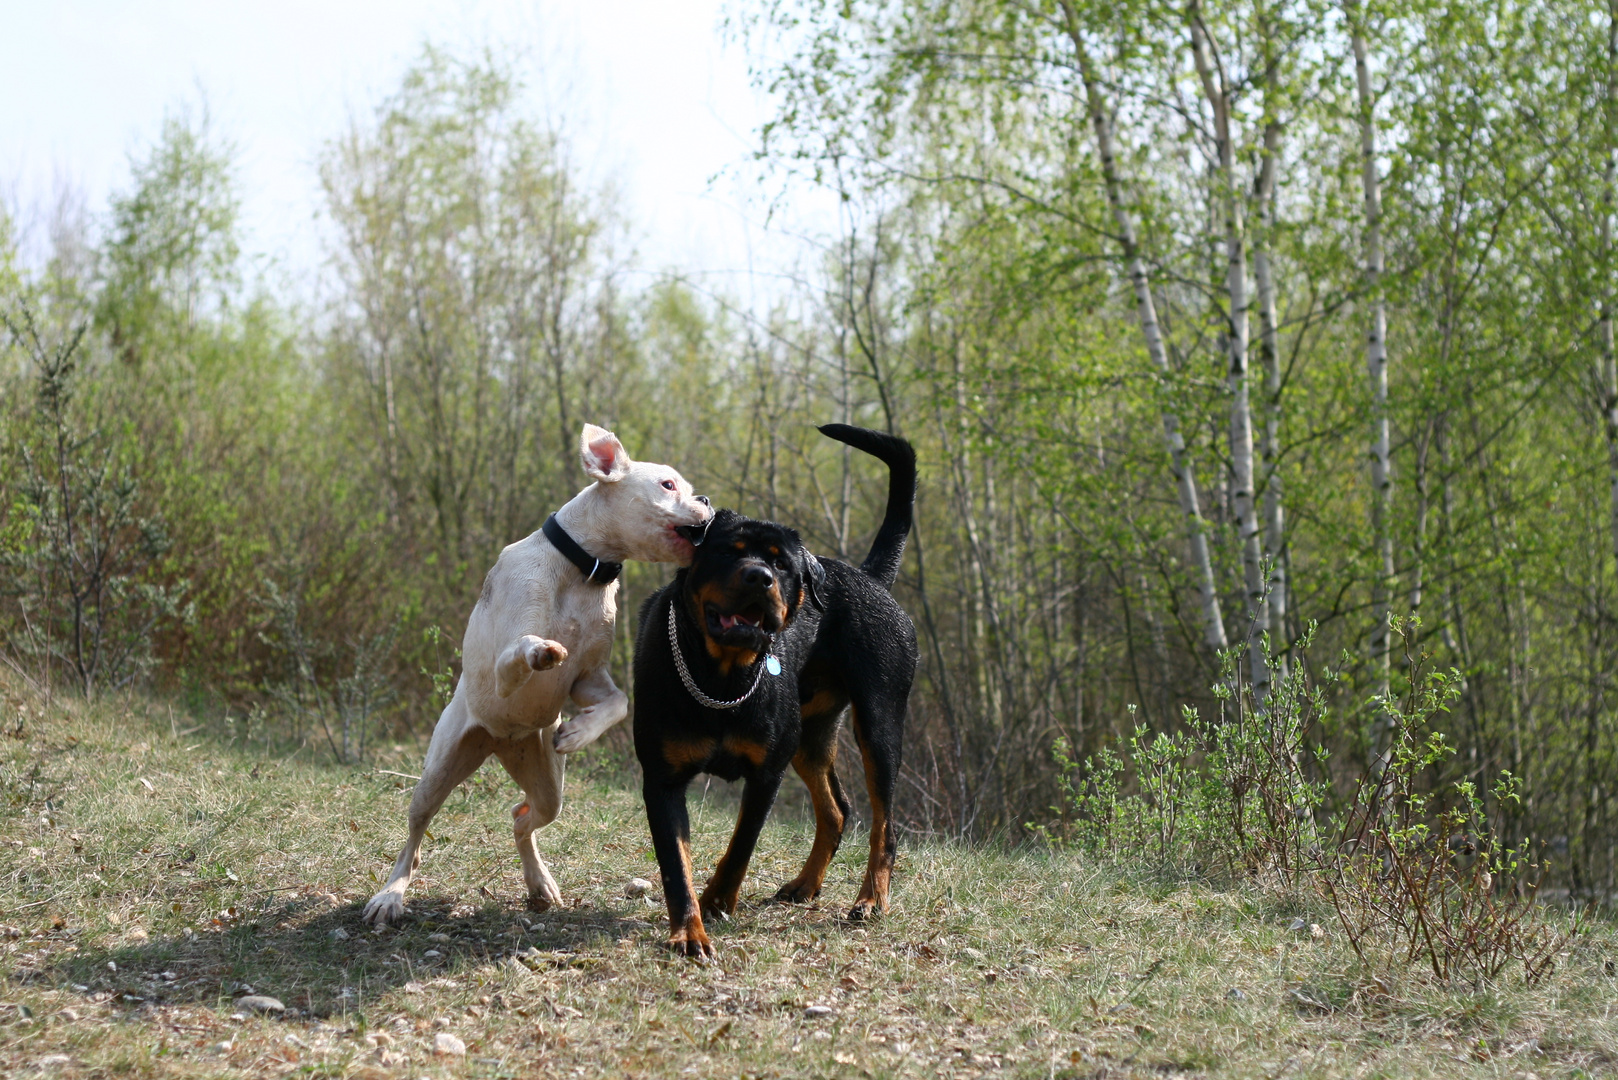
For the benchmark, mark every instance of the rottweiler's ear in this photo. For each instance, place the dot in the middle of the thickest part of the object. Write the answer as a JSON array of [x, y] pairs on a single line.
[[814, 577]]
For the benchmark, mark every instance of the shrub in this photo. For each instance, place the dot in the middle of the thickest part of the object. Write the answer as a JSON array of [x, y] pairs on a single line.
[[1412, 867], [1416, 872], [1232, 793], [81, 547]]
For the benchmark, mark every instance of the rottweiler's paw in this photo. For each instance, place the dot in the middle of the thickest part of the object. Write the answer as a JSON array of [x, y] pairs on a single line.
[[718, 906], [795, 892], [692, 943], [864, 910]]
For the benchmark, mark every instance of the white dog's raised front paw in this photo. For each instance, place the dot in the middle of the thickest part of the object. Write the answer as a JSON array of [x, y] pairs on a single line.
[[575, 734], [544, 655], [385, 907]]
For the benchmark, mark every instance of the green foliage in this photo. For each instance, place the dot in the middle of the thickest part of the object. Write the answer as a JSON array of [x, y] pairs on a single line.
[[172, 249], [81, 544], [1419, 873], [442, 673], [1236, 795], [1413, 866], [347, 708]]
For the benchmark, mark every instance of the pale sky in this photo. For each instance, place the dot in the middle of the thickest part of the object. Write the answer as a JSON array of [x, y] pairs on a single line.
[[648, 94]]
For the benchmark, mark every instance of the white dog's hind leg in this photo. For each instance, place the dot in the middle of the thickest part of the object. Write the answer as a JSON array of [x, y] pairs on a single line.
[[457, 749], [523, 657], [539, 771], [604, 705]]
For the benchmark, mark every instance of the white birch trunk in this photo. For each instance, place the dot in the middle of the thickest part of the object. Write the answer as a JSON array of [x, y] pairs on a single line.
[[1243, 494], [1213, 623], [1270, 354], [1376, 365]]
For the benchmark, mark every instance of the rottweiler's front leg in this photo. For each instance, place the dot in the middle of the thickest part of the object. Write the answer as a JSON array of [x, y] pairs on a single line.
[[724, 888], [671, 840]]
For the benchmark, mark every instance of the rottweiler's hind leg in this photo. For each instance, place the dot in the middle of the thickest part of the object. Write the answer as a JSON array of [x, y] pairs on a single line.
[[878, 731], [819, 775]]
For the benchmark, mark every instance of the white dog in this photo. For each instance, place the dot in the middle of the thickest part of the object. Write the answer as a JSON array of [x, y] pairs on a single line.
[[541, 633]]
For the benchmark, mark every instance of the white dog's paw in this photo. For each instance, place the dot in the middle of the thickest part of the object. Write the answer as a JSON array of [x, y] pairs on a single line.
[[544, 655], [575, 734], [543, 894], [385, 907]]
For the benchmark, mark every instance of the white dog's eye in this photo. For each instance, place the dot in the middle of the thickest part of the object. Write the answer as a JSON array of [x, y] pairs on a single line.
[[668, 485]]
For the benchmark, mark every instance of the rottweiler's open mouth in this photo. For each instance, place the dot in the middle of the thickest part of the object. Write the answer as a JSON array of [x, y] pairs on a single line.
[[747, 623]]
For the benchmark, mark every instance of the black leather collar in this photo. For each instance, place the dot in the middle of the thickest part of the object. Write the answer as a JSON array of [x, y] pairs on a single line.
[[594, 570]]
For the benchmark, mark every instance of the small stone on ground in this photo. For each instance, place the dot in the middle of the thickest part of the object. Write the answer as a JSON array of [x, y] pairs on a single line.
[[448, 1045], [259, 1003]]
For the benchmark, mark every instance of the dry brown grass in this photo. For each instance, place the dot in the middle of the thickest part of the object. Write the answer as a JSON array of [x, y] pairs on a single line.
[[143, 913]]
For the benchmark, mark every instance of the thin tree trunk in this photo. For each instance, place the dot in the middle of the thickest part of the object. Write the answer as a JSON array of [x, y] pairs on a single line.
[[1270, 357], [1213, 623], [1376, 364], [1243, 498], [1609, 364], [1423, 505]]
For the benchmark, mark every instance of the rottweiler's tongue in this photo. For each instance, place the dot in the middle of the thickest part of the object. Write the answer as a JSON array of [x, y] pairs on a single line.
[[727, 622]]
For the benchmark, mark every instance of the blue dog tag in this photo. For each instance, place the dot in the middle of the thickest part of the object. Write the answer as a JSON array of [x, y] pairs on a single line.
[[772, 665]]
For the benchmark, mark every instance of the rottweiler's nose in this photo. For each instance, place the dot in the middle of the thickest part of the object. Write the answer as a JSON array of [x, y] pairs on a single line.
[[758, 577]]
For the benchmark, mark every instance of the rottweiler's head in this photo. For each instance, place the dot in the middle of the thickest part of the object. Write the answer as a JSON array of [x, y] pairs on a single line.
[[747, 582]]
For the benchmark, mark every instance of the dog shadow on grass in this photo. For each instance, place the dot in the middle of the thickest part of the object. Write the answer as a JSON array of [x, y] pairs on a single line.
[[318, 957]]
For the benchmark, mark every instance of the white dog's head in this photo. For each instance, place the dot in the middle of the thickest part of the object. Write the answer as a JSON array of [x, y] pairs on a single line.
[[640, 504]]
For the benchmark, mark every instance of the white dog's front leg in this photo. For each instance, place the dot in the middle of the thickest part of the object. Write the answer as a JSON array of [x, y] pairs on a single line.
[[457, 749], [604, 705], [523, 657]]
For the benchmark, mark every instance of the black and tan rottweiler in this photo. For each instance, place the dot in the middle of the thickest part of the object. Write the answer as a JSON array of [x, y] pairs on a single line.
[[744, 664]]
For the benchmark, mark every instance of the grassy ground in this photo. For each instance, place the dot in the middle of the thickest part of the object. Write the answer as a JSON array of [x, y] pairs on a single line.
[[149, 875]]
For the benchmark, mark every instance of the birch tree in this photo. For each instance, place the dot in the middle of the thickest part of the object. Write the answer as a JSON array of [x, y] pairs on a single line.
[[1213, 623], [1216, 87], [1264, 196], [1376, 366]]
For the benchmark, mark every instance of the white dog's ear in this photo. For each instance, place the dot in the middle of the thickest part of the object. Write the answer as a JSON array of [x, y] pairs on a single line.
[[603, 455]]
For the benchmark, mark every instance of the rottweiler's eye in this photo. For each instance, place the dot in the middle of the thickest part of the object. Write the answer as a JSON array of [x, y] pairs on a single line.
[[668, 485], [783, 563]]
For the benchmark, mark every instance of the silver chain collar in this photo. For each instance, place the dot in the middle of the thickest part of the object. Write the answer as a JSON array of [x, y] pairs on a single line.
[[690, 683]]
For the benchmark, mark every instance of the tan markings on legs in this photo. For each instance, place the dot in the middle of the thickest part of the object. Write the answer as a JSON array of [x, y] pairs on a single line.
[[873, 895], [539, 769], [816, 776], [689, 938], [681, 754], [724, 889]]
